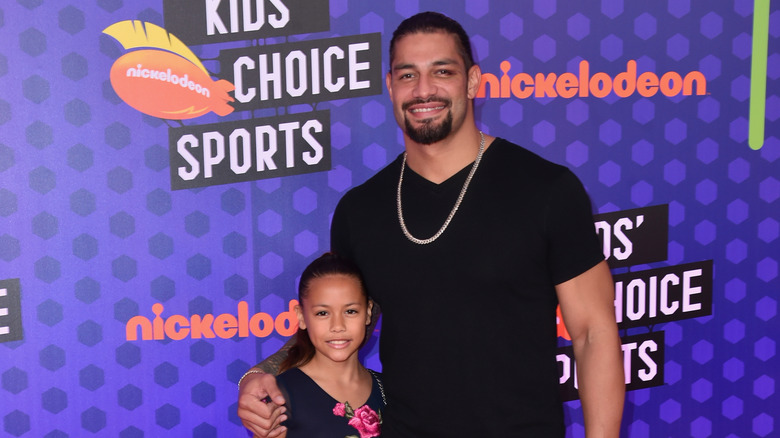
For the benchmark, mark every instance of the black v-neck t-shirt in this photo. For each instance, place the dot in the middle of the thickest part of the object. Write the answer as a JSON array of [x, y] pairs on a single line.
[[468, 342]]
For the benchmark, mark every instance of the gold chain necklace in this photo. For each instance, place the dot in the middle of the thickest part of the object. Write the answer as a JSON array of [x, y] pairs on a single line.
[[454, 208]]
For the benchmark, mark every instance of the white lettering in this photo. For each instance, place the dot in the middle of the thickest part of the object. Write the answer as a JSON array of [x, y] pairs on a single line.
[[627, 349], [243, 95], [331, 86], [620, 225], [250, 25], [210, 159], [688, 290], [652, 368], [315, 155], [355, 67], [4, 330], [214, 22], [296, 60], [603, 229], [282, 18], [635, 297], [566, 362], [267, 76], [265, 156], [289, 131], [245, 154], [665, 282], [181, 147]]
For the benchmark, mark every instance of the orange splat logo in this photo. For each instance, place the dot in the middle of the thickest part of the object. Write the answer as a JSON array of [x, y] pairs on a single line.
[[161, 76], [562, 332]]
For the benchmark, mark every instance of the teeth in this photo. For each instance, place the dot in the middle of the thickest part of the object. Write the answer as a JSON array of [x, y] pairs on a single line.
[[425, 110], [338, 342]]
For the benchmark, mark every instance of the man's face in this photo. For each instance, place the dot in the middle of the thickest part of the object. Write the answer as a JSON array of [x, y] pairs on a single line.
[[429, 86]]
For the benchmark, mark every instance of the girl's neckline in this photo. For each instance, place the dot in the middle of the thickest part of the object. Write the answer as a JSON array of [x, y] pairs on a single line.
[[333, 398]]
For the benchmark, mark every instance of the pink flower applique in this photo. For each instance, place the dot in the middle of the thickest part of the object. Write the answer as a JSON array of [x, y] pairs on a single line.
[[364, 419]]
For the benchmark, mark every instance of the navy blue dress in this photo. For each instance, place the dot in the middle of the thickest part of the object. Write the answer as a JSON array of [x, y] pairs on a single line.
[[310, 408]]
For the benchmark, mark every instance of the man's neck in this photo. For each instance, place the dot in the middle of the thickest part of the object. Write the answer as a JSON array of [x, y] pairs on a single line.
[[437, 162]]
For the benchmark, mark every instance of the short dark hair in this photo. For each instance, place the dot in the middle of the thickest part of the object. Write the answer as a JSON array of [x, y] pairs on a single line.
[[329, 263], [431, 22]]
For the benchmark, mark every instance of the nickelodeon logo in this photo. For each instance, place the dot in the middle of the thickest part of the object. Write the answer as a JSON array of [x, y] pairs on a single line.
[[224, 326], [162, 77], [560, 325], [584, 84]]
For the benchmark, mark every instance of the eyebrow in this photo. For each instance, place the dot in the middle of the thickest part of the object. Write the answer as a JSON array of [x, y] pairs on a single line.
[[439, 62], [329, 306]]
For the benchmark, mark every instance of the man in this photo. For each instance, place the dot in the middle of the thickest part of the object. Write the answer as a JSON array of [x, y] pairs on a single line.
[[468, 243]]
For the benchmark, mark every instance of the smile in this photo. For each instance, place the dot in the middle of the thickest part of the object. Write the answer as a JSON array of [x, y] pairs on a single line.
[[338, 343], [425, 110]]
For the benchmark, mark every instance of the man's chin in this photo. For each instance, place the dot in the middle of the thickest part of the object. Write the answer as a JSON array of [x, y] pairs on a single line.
[[426, 138], [428, 131]]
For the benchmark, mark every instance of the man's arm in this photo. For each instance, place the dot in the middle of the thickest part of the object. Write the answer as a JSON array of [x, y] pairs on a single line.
[[272, 363], [261, 418], [258, 383], [587, 306]]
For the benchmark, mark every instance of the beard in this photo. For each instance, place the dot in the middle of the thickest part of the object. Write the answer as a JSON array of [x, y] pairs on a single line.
[[428, 132]]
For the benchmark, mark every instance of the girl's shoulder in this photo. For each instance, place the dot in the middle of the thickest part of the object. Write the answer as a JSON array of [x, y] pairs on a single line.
[[290, 372], [292, 376]]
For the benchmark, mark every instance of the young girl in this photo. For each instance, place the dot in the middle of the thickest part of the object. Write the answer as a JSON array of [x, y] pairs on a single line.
[[328, 392]]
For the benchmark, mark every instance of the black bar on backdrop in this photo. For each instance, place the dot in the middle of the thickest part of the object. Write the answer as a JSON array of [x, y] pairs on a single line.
[[248, 150], [636, 236], [10, 310], [304, 72], [643, 364], [215, 21], [672, 293]]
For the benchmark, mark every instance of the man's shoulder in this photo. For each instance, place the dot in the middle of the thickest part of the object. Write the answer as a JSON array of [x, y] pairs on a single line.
[[525, 161], [384, 180]]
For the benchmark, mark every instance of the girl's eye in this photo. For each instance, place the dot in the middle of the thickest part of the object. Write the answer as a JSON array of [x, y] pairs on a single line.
[[321, 313], [352, 311]]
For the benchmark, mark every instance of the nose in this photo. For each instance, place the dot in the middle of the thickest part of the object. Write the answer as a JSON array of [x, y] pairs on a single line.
[[425, 87], [337, 323]]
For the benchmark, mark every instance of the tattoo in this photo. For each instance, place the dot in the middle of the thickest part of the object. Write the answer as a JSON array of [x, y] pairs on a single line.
[[272, 363]]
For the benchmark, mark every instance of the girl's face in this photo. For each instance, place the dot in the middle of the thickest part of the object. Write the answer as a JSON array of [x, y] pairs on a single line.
[[335, 313]]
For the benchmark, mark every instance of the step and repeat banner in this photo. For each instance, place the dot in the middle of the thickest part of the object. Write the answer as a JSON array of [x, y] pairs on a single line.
[[169, 167]]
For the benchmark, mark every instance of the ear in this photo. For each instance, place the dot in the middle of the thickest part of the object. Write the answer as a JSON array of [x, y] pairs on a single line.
[[389, 84], [474, 80], [368, 313], [299, 313]]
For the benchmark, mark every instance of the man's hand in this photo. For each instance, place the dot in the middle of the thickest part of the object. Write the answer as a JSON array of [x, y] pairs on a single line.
[[260, 417]]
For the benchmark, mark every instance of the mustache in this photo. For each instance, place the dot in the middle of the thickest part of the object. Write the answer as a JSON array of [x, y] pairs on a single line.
[[418, 101]]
